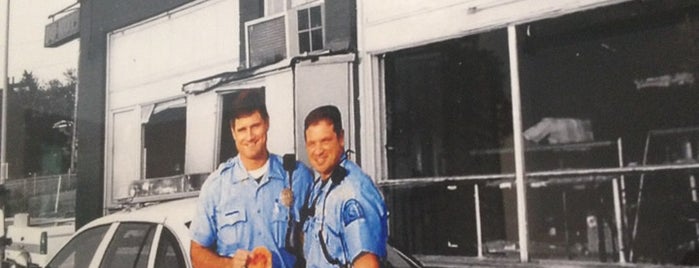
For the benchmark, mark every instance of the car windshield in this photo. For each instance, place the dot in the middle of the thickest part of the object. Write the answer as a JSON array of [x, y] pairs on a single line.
[[80, 250]]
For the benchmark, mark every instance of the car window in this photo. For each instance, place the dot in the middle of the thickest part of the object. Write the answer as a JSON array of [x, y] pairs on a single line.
[[80, 250], [169, 251], [130, 246]]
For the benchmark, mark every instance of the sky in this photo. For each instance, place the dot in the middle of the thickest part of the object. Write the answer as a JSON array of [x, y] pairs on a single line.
[[28, 18]]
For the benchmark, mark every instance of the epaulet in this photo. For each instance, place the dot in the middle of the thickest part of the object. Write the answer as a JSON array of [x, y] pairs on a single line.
[[225, 166]]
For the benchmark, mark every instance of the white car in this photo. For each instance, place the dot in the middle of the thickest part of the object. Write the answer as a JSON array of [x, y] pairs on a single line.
[[152, 236]]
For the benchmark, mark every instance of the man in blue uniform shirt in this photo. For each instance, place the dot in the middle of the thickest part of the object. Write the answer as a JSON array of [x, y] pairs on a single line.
[[245, 203], [347, 214]]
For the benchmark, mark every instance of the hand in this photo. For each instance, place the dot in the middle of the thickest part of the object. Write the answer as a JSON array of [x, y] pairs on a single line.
[[260, 258], [240, 258], [287, 197]]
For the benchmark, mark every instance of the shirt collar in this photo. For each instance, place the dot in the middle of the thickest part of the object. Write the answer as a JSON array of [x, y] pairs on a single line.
[[276, 170]]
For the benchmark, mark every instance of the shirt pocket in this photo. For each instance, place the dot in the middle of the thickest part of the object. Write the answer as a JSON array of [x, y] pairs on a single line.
[[231, 227], [309, 236], [280, 222]]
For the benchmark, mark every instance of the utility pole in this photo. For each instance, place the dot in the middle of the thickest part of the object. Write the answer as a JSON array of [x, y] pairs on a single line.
[[5, 86], [3, 133]]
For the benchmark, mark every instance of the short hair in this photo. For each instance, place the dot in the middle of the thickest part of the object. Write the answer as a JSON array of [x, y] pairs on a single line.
[[246, 103], [327, 112]]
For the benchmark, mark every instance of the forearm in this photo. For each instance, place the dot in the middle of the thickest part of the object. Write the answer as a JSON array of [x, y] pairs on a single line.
[[203, 257]]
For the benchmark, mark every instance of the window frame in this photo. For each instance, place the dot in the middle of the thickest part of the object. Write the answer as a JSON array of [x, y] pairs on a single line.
[[143, 155], [307, 8], [375, 71]]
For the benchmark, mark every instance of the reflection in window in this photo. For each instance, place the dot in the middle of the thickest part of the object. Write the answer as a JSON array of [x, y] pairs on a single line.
[[169, 251], [448, 114], [130, 246], [164, 133], [625, 71], [446, 105], [80, 250]]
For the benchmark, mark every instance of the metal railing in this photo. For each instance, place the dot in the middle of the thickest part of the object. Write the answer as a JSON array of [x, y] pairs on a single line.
[[42, 196]]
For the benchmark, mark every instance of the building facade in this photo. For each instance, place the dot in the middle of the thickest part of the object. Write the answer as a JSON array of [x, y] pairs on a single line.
[[448, 105]]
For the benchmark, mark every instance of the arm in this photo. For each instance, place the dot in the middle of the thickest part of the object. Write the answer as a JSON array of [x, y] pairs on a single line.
[[366, 260], [203, 231], [204, 257], [363, 220]]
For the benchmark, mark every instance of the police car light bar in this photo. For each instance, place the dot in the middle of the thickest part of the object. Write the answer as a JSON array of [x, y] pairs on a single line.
[[164, 188]]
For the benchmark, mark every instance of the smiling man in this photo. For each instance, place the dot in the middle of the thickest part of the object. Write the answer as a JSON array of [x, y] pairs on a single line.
[[347, 214], [245, 203]]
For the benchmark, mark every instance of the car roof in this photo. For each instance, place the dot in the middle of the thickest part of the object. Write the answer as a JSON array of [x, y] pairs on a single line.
[[175, 213]]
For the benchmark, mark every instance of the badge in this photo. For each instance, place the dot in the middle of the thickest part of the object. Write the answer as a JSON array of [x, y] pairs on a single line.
[[287, 197]]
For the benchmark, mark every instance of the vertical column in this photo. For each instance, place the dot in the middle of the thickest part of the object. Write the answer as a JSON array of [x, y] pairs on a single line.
[[617, 220], [3, 135], [479, 232], [5, 85], [618, 209], [520, 180], [689, 156]]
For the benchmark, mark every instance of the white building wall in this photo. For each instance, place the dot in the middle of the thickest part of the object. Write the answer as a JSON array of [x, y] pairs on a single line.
[[202, 129], [147, 62], [123, 154], [393, 24], [279, 97], [326, 81], [151, 60]]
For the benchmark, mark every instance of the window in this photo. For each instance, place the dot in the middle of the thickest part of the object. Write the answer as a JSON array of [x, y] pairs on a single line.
[[169, 251], [310, 22], [448, 115], [130, 246], [624, 73], [448, 104], [80, 250], [164, 135]]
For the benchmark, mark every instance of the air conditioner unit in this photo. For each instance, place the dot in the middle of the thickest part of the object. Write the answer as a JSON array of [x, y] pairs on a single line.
[[271, 39]]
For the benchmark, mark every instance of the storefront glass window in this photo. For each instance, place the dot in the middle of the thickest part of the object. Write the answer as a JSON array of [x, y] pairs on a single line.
[[604, 88], [448, 117]]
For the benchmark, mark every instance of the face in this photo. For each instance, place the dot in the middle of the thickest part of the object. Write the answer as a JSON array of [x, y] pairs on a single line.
[[324, 147], [250, 134]]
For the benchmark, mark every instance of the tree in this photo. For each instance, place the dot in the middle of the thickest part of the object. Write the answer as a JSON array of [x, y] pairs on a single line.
[[48, 113]]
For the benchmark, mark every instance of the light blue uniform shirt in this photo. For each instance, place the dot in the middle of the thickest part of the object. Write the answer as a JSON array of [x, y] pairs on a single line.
[[354, 219], [235, 212]]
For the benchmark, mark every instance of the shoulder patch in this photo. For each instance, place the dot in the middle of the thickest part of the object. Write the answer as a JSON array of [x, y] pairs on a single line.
[[352, 211]]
